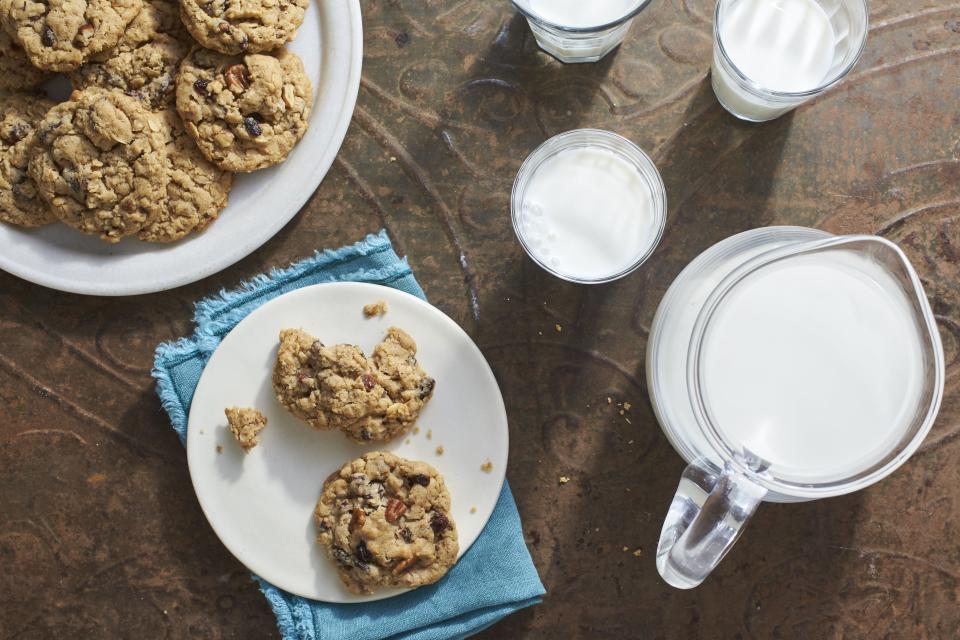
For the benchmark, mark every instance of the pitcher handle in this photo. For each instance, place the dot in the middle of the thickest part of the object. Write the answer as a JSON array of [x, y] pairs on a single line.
[[705, 518]]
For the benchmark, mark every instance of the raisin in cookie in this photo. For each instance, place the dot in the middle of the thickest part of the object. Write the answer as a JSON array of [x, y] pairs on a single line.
[[385, 521], [337, 387], [244, 112], [197, 191], [58, 35], [16, 72], [245, 424], [100, 161], [144, 63], [243, 26], [20, 204]]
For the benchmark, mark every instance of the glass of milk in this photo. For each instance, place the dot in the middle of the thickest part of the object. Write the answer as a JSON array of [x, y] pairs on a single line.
[[579, 30], [588, 206], [769, 56], [785, 364]]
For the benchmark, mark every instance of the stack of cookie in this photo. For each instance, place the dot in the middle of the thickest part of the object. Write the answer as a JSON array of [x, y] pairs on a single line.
[[167, 103]]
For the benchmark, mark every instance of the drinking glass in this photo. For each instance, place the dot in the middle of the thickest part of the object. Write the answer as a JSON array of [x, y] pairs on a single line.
[[569, 43], [747, 99]]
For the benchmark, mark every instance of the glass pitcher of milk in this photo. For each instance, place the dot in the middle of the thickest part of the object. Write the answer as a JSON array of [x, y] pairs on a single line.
[[786, 364]]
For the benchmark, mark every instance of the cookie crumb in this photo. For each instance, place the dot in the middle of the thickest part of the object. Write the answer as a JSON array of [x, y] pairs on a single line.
[[416, 430], [627, 406], [378, 308], [626, 548], [627, 489], [393, 158], [638, 552], [219, 449], [439, 451], [429, 434], [558, 328], [486, 467], [622, 411], [539, 333], [628, 420], [629, 441], [473, 509], [246, 424], [564, 479], [609, 400]]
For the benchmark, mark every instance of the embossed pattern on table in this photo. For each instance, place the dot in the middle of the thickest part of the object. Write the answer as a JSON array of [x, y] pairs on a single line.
[[101, 537]]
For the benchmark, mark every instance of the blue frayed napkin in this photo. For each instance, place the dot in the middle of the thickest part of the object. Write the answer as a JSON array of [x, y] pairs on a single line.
[[493, 579]]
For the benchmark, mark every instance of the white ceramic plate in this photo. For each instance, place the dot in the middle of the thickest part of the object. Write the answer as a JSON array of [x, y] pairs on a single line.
[[330, 42], [261, 503]]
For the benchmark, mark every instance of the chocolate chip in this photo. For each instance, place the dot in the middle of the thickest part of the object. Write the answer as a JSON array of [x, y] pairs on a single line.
[[252, 126], [426, 387], [418, 478], [244, 43], [342, 556], [368, 381], [365, 434], [406, 535], [47, 36], [439, 522], [200, 86], [363, 553]]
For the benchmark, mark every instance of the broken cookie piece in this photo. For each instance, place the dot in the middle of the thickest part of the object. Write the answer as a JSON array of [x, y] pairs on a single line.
[[378, 308], [338, 387], [246, 424]]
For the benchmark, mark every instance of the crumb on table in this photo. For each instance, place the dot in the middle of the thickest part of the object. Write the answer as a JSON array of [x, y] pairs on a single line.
[[486, 467], [473, 509], [377, 308], [440, 451], [219, 449], [564, 479], [416, 430], [429, 434], [246, 423]]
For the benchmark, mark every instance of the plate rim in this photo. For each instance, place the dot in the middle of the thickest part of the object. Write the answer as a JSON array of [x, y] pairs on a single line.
[[501, 478], [208, 268]]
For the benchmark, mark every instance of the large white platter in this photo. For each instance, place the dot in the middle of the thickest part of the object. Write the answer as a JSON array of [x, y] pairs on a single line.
[[261, 504], [330, 42]]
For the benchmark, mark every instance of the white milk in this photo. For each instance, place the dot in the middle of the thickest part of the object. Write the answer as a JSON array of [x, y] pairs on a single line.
[[782, 45], [815, 365], [581, 14], [588, 214]]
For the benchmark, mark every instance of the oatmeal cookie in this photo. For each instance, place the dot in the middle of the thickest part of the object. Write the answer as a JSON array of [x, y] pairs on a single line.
[[245, 424], [58, 35], [244, 112], [144, 63], [385, 521], [197, 191], [337, 387], [20, 203], [100, 161], [243, 26], [16, 72]]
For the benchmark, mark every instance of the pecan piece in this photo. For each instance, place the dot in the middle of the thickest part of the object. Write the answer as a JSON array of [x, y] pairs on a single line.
[[395, 509], [403, 565], [237, 78], [84, 33], [356, 522]]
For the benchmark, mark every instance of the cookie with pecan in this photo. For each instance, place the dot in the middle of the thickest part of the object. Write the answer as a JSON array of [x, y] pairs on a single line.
[[58, 35], [100, 162], [337, 387], [20, 203], [243, 26], [385, 521], [144, 63], [244, 112]]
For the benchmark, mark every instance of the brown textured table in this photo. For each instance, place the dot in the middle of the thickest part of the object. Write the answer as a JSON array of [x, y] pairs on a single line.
[[101, 536]]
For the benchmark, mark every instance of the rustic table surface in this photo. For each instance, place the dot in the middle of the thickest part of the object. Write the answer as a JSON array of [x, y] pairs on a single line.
[[101, 535]]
